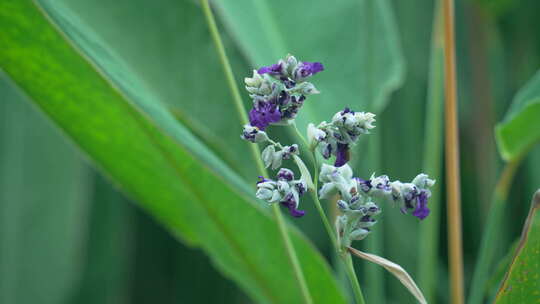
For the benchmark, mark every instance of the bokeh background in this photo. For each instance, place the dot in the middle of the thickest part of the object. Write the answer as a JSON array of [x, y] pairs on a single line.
[[68, 235]]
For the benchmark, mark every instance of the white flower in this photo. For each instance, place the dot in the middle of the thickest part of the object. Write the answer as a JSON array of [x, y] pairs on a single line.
[[314, 135]]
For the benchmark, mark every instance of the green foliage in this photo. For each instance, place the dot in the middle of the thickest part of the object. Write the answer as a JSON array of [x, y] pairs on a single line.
[[137, 142], [520, 130], [522, 281], [43, 205], [109, 242], [433, 145], [170, 54]]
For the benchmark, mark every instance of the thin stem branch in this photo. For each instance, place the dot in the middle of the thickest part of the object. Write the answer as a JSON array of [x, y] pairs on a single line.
[[452, 158], [489, 238], [255, 151], [322, 214], [349, 267]]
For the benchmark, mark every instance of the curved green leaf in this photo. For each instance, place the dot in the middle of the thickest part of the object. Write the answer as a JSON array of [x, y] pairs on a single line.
[[522, 281], [167, 45], [520, 130], [362, 66], [154, 159]]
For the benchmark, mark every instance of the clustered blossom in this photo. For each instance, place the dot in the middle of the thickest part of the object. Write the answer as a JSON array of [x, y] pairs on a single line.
[[335, 138], [358, 196], [408, 196], [279, 91], [285, 190]]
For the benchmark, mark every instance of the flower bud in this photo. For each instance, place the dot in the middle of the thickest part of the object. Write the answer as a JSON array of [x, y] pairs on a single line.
[[264, 194], [253, 134], [314, 135], [422, 181], [305, 88], [342, 205], [359, 234], [285, 174], [254, 81], [267, 155], [291, 64], [288, 151], [327, 191], [305, 69]]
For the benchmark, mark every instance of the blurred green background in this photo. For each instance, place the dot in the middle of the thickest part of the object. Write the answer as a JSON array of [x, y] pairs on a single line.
[[67, 235]]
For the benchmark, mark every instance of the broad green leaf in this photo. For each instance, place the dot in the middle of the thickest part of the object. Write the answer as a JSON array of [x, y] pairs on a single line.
[[356, 40], [174, 56], [131, 137], [44, 191], [166, 43], [520, 130], [522, 281]]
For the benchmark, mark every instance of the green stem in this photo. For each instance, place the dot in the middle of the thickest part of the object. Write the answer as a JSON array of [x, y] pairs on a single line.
[[322, 214], [349, 267], [344, 254], [314, 195], [255, 151], [489, 240]]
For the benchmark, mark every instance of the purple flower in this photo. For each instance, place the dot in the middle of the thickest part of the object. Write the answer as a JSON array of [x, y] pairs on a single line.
[[274, 69], [250, 135], [290, 112], [306, 69], [300, 188], [262, 180], [421, 211], [290, 203], [342, 155], [367, 219], [327, 151], [374, 209], [283, 98], [287, 82], [365, 185], [342, 205], [285, 174], [263, 114], [347, 110]]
